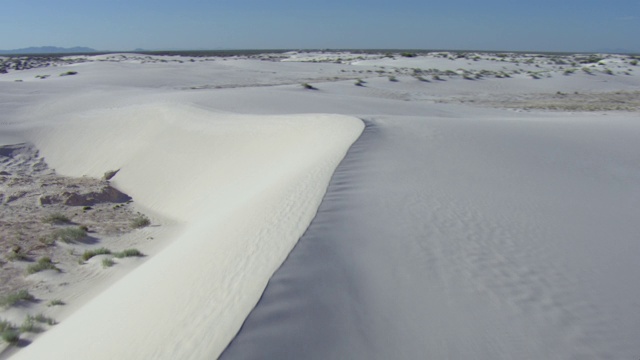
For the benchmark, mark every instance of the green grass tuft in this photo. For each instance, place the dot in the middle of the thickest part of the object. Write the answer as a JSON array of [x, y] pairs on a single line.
[[128, 253], [43, 263], [91, 253], [29, 325], [68, 235], [108, 262], [16, 297]]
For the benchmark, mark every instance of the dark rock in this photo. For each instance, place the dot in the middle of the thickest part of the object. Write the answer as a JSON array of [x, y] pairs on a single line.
[[107, 195]]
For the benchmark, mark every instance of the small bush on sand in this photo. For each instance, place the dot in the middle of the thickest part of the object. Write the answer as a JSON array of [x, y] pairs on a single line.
[[69, 73], [44, 263], [107, 263], [56, 218], [16, 297], [91, 253], [128, 253], [140, 222], [308, 86], [11, 336]]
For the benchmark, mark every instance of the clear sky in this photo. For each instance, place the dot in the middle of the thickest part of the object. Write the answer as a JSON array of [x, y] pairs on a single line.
[[542, 25]]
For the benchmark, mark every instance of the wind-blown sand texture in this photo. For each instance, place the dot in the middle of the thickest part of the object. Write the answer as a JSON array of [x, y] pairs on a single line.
[[488, 210]]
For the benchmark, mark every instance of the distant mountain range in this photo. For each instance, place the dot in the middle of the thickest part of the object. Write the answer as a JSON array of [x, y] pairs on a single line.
[[48, 50]]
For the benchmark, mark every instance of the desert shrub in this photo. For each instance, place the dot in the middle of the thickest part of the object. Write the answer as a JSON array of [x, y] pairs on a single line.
[[393, 78], [107, 263], [14, 298], [56, 218], [11, 336], [360, 82], [91, 253], [140, 222], [68, 235], [44, 263], [308, 86], [69, 73], [408, 54], [128, 253], [633, 62]]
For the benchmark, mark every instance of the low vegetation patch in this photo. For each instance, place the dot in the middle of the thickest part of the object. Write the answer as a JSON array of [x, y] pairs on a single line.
[[44, 263], [57, 218], [16, 297], [68, 235], [69, 73]]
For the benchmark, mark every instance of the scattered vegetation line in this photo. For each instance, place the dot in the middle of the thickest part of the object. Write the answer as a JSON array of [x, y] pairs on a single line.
[[16, 297]]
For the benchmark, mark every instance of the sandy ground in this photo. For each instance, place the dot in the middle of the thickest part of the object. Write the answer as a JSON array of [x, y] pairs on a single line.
[[486, 211]]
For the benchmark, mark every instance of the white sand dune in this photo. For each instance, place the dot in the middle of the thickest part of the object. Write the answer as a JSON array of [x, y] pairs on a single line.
[[465, 239], [246, 187], [450, 230]]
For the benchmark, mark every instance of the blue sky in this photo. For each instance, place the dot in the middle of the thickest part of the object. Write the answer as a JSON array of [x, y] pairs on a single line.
[[542, 25]]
